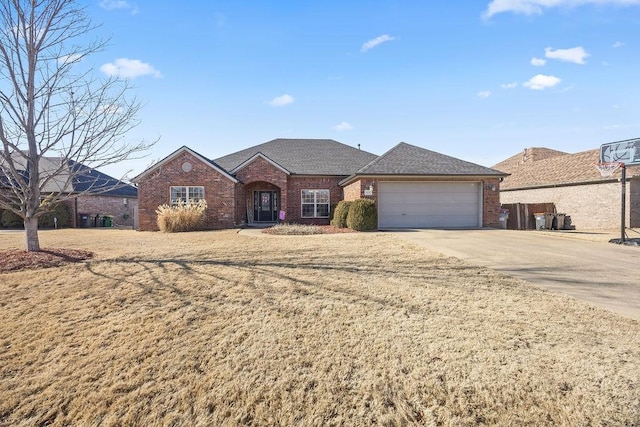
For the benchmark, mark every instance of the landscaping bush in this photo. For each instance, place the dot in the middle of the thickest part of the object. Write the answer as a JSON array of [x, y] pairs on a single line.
[[332, 211], [339, 218], [181, 217], [11, 220], [363, 215], [60, 211]]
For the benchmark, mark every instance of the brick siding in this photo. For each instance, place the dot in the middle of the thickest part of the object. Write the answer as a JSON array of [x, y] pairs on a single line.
[[353, 191], [298, 183], [93, 206], [259, 175], [219, 192], [592, 206]]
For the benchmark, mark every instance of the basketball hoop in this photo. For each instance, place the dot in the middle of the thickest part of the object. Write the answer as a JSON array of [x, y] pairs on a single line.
[[608, 168]]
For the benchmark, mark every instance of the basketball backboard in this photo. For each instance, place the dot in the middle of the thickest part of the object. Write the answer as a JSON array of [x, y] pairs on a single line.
[[627, 152]]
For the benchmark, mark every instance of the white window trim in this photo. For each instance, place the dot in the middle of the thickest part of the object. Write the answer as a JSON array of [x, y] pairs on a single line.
[[186, 187], [315, 202]]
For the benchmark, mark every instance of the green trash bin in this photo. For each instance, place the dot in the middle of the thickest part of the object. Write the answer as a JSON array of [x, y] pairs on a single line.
[[108, 221]]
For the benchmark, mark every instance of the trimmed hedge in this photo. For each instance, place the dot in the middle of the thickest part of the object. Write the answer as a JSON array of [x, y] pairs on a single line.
[[363, 215], [59, 211], [339, 218], [11, 220]]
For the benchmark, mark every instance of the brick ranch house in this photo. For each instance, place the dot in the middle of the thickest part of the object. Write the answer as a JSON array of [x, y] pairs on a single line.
[[573, 184], [89, 194], [100, 194], [301, 179]]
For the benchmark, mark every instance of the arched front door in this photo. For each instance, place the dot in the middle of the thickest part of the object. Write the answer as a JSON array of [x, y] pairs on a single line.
[[265, 206]]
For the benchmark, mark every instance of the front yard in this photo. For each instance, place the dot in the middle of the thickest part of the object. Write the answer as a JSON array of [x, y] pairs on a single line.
[[220, 328]]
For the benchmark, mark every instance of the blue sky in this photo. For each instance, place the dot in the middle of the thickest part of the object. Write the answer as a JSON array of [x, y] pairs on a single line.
[[478, 80]]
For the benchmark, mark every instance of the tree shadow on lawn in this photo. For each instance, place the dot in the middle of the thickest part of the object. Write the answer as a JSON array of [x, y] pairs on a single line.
[[152, 276]]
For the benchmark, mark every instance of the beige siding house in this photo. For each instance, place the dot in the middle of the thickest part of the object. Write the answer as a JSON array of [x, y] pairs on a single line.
[[573, 184]]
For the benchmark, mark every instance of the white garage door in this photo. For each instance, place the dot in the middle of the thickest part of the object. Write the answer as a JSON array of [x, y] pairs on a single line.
[[429, 205]]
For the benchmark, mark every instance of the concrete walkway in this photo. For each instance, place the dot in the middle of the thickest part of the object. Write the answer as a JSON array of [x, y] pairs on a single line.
[[582, 265]]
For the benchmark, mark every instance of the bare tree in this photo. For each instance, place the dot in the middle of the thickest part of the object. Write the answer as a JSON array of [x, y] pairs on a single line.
[[52, 107]]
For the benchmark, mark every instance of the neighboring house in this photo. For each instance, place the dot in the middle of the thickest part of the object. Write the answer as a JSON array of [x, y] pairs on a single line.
[[89, 194], [101, 195], [298, 180], [573, 184]]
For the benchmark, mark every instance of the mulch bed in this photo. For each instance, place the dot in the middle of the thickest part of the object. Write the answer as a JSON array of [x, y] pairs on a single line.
[[330, 229], [15, 260]]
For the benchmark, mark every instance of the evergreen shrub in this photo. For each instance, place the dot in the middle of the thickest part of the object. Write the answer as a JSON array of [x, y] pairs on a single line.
[[339, 218], [363, 215]]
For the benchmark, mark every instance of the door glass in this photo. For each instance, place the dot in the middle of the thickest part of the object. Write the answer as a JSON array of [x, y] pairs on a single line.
[[265, 201]]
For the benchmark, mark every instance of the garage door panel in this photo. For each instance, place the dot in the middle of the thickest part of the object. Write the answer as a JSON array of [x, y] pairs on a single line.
[[429, 204], [433, 221], [430, 210]]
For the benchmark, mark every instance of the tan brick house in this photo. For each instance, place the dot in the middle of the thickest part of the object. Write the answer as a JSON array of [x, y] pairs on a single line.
[[298, 180], [571, 182]]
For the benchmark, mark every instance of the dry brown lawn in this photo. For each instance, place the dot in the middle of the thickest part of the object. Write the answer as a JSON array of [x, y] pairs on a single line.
[[221, 329]]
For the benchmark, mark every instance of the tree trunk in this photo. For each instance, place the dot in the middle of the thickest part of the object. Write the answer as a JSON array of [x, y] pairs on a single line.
[[31, 231]]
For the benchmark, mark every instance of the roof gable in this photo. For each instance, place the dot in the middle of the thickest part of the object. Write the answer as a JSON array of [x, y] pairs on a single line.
[[407, 159], [175, 154], [259, 156], [303, 156]]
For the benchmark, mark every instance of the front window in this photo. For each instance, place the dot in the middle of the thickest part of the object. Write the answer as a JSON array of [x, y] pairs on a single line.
[[186, 195], [315, 203]]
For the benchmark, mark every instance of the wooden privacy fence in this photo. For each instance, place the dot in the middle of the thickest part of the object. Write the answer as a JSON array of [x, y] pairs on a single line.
[[521, 215]]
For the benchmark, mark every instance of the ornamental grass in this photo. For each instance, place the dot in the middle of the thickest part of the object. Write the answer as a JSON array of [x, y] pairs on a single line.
[[183, 216]]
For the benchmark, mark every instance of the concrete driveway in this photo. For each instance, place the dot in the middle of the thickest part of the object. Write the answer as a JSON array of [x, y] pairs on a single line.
[[601, 273]]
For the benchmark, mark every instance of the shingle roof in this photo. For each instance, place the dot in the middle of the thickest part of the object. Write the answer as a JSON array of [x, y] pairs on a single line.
[[304, 156], [527, 155], [176, 153], [564, 169], [59, 176], [407, 159], [92, 181]]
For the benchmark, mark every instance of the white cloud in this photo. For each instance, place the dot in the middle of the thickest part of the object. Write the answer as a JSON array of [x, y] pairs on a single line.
[[536, 7], [342, 126], [575, 54], [129, 69], [484, 94], [538, 62], [377, 41], [509, 85], [618, 44], [118, 4], [540, 82], [281, 101]]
